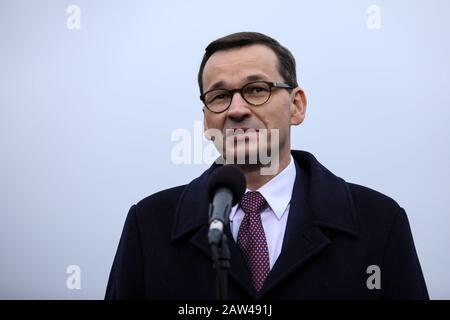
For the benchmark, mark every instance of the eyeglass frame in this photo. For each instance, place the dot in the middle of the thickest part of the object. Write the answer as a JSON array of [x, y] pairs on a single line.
[[271, 85]]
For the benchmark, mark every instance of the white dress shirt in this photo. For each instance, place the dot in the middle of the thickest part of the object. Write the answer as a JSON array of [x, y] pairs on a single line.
[[278, 193]]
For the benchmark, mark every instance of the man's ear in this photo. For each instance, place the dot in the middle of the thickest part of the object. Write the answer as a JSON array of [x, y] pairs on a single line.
[[298, 106]]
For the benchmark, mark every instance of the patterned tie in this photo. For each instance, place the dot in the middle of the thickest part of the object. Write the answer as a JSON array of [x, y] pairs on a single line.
[[252, 240]]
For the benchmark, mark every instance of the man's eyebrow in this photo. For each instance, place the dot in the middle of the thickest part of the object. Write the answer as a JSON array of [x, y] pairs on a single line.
[[253, 77], [217, 85]]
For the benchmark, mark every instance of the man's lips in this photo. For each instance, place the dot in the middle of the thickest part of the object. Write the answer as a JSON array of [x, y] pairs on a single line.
[[239, 131]]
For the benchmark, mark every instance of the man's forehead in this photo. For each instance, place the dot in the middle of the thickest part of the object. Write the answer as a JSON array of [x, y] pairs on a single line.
[[240, 63]]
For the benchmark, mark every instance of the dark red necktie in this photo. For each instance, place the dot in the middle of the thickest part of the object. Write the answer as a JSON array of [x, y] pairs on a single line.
[[252, 239]]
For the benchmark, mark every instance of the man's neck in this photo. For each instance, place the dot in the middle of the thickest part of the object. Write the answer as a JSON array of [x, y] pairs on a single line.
[[256, 180]]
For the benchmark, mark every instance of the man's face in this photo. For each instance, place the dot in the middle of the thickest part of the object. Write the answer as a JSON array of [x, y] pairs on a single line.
[[234, 68]]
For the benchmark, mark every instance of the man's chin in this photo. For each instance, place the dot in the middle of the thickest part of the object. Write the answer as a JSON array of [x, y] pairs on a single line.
[[242, 155]]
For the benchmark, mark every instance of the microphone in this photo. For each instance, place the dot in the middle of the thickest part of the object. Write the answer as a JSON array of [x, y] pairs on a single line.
[[226, 187]]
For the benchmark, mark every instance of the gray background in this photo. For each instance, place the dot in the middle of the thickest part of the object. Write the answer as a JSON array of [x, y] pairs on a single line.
[[86, 118]]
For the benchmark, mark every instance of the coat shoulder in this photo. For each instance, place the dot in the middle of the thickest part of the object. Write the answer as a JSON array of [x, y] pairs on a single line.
[[162, 202], [371, 196], [374, 205]]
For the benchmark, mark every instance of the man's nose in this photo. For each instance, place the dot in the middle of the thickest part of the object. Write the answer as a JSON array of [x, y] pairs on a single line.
[[239, 108]]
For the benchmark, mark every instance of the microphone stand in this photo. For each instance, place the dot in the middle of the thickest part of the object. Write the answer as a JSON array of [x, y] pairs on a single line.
[[224, 184], [221, 257]]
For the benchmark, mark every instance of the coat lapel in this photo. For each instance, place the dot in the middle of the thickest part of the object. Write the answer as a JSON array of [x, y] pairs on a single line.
[[238, 271], [302, 240], [192, 218], [319, 200]]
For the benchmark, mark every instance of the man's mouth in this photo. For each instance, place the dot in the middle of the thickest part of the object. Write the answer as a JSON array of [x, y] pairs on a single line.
[[239, 131]]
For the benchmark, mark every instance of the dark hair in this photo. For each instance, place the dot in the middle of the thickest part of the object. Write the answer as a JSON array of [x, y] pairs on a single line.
[[286, 61]]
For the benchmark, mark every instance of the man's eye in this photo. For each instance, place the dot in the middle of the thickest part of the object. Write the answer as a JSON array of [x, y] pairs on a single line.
[[256, 90], [219, 97]]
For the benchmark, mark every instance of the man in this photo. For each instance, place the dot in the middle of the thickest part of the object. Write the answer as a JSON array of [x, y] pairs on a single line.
[[299, 232]]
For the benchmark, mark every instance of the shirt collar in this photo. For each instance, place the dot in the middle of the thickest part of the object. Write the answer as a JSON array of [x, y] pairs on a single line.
[[277, 191]]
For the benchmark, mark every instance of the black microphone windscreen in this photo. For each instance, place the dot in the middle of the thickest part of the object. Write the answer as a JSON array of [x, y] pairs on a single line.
[[227, 176]]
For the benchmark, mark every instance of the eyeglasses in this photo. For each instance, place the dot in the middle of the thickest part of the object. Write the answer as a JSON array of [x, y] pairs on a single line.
[[254, 93]]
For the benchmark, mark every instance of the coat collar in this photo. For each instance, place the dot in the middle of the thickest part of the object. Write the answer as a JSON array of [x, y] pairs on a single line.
[[328, 195], [320, 200]]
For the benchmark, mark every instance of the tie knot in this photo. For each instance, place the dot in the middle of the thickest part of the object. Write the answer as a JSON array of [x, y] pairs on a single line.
[[253, 202]]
